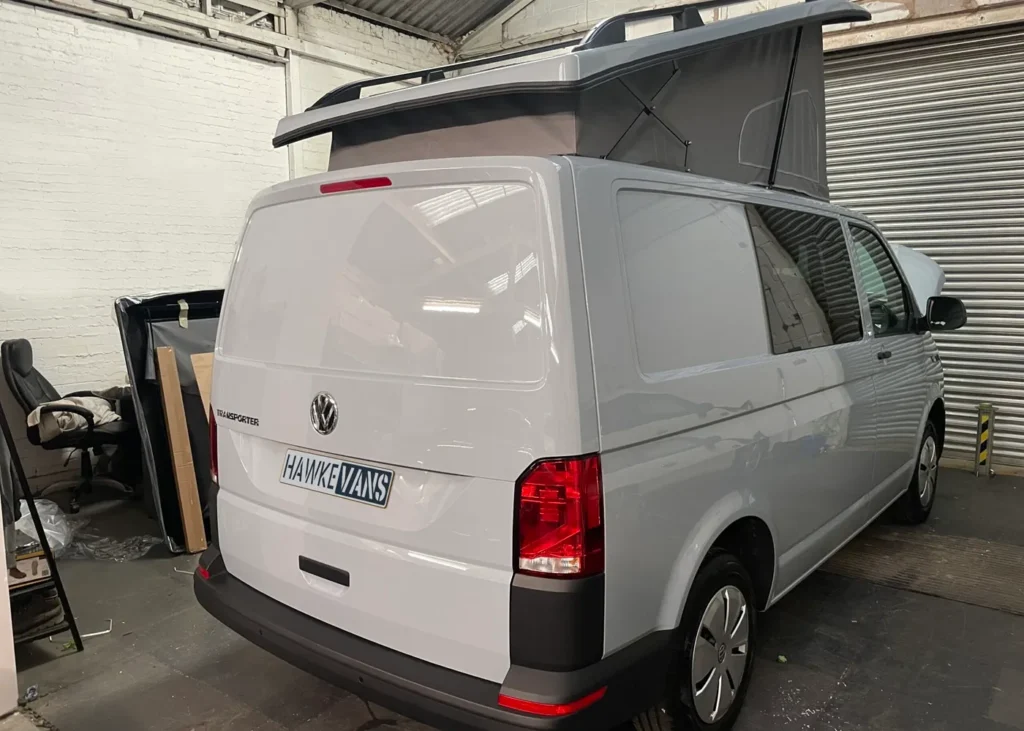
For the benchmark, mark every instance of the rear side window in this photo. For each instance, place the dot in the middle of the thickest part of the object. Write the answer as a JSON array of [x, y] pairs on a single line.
[[809, 290], [692, 280], [883, 288]]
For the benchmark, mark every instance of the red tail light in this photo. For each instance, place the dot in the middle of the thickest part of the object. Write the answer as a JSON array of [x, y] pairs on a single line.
[[559, 522], [213, 445], [204, 573], [345, 186], [551, 709]]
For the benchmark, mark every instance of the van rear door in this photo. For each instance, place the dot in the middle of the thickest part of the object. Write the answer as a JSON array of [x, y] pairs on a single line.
[[395, 350]]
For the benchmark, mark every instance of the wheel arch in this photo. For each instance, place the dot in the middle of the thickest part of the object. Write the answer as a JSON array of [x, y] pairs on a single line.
[[743, 532], [750, 540]]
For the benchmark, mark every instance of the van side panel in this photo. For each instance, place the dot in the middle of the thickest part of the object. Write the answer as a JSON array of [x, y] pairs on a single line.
[[436, 312], [734, 430]]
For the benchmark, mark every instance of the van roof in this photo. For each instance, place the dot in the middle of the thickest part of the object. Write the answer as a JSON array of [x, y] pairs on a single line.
[[584, 67]]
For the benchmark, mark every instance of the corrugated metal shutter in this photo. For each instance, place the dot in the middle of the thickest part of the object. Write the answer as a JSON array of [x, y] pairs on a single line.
[[927, 138]]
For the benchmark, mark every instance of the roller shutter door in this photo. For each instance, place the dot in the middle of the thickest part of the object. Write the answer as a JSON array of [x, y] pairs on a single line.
[[927, 138]]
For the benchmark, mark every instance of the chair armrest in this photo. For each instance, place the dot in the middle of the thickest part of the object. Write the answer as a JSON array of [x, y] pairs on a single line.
[[71, 409], [90, 394]]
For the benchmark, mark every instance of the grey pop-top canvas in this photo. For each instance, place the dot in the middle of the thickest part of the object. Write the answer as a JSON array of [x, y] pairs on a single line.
[[707, 100]]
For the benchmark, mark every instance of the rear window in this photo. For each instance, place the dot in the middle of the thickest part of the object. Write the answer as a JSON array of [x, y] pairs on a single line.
[[440, 282]]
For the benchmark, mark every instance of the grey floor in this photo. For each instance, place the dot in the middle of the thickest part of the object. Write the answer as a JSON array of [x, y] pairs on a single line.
[[16, 722], [858, 656]]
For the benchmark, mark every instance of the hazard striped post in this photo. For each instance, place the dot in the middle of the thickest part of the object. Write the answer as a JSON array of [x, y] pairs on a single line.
[[983, 451]]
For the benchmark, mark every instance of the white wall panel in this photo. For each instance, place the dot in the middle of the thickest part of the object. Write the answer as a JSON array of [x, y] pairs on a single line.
[[127, 163]]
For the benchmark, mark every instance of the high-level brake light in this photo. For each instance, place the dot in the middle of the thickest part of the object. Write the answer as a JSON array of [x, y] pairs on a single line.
[[346, 186]]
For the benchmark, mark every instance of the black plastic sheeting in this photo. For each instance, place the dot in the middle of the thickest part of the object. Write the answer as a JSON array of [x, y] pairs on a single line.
[[146, 323]]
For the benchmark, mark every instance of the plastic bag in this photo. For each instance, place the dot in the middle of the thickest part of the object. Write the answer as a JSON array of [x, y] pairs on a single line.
[[91, 545], [58, 530]]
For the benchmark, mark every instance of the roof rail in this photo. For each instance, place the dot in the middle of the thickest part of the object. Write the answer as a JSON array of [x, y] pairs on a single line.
[[613, 30], [353, 91], [605, 33]]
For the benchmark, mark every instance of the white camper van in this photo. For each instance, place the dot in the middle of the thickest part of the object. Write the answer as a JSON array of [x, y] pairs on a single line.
[[524, 410]]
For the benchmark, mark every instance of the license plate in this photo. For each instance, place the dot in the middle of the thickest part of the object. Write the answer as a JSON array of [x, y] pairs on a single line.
[[349, 480]]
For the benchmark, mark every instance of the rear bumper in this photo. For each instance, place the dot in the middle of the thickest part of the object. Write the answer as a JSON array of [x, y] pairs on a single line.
[[426, 692]]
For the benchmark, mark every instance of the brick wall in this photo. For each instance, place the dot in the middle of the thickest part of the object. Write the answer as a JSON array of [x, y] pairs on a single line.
[[368, 40], [127, 164]]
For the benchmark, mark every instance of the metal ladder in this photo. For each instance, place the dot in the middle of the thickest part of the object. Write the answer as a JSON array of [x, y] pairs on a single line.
[[54, 580]]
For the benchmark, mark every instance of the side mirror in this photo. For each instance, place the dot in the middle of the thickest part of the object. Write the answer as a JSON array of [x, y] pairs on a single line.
[[946, 313]]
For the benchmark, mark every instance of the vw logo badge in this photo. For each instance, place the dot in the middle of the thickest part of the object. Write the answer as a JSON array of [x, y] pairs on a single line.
[[323, 413]]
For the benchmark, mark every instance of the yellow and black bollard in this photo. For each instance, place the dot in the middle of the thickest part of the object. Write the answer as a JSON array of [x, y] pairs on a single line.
[[983, 451]]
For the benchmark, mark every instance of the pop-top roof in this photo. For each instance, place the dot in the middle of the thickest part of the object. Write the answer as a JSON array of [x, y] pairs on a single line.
[[724, 94]]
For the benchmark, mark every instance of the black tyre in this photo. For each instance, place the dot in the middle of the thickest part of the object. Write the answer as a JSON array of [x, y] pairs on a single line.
[[711, 672], [916, 503]]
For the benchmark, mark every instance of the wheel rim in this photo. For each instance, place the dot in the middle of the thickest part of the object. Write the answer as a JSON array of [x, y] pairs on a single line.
[[720, 654], [928, 470]]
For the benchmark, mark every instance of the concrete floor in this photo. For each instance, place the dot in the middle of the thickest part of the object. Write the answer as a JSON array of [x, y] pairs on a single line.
[[859, 656], [16, 722]]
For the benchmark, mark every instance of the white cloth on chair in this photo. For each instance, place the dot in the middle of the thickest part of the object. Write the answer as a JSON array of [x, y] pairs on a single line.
[[53, 424]]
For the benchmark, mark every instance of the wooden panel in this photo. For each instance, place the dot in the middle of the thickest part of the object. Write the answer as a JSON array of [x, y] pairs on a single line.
[[181, 451], [202, 366]]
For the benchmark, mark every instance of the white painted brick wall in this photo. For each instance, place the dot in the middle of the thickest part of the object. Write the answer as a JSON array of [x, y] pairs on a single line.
[[369, 40], [127, 162]]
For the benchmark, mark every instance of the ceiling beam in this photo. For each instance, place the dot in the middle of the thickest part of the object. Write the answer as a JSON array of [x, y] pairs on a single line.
[[385, 21]]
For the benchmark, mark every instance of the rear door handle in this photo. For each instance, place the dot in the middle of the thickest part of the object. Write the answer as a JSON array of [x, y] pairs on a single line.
[[323, 571], [884, 354]]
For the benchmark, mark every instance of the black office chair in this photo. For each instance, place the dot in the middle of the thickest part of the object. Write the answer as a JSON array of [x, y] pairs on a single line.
[[32, 391]]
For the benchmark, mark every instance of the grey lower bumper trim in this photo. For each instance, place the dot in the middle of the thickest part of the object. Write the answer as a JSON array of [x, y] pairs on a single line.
[[424, 691]]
